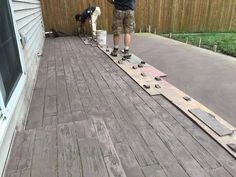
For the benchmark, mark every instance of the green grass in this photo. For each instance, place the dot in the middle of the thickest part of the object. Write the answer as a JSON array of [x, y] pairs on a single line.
[[226, 42]]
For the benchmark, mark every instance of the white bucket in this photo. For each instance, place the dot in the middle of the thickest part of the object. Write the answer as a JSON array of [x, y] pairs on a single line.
[[101, 37]]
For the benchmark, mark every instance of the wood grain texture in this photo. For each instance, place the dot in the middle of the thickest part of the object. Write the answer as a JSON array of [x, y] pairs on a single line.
[[154, 171], [163, 154], [128, 160], [68, 152], [91, 158], [161, 15], [116, 129], [45, 153]]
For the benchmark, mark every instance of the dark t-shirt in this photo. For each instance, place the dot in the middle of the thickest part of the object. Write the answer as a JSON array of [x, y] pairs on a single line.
[[87, 13], [124, 4]]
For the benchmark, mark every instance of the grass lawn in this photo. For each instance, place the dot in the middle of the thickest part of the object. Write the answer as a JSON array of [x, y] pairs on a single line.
[[226, 42]]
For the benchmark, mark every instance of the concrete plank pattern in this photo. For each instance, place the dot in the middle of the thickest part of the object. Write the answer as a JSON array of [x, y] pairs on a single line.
[[88, 118], [91, 158], [44, 161], [154, 171], [68, 153], [211, 122]]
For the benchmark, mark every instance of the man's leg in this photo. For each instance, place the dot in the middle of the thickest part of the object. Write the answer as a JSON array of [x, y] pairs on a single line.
[[129, 25], [94, 24], [117, 28], [116, 40], [82, 29], [94, 18], [127, 40]]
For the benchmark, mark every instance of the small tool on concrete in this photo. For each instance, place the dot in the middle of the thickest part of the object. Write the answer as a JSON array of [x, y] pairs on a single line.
[[143, 74], [158, 86], [146, 86], [120, 62], [187, 98], [140, 65], [157, 78], [211, 115]]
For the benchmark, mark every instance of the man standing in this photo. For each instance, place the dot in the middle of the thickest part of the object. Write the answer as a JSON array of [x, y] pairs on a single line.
[[123, 19], [91, 12]]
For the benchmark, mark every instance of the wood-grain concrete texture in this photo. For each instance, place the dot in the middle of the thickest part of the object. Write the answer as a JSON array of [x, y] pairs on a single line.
[[89, 118]]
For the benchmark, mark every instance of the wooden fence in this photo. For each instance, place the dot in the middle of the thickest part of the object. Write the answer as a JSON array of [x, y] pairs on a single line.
[[160, 15]]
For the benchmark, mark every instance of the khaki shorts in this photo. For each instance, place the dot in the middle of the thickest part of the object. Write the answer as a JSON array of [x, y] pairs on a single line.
[[123, 20]]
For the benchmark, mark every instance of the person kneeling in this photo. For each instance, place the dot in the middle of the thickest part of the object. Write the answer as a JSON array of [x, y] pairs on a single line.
[[92, 12]]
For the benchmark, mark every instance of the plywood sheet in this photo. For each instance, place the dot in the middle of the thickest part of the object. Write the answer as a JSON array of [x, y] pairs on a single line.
[[150, 70], [134, 59], [135, 74]]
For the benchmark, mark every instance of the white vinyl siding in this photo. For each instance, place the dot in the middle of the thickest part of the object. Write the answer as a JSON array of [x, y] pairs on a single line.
[[28, 22]]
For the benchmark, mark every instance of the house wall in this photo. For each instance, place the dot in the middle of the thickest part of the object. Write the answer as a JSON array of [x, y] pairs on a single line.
[[27, 17]]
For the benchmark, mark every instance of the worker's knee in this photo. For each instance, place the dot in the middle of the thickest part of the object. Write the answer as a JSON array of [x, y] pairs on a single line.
[[116, 35]]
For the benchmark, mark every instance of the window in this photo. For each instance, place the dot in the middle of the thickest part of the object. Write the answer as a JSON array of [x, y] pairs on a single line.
[[10, 65]]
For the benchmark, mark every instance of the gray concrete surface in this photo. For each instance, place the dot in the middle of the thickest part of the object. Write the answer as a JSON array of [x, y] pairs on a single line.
[[206, 76], [88, 118]]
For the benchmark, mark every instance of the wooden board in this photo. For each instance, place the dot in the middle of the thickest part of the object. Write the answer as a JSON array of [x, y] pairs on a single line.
[[184, 16], [211, 122], [150, 70], [134, 59], [135, 74], [147, 68]]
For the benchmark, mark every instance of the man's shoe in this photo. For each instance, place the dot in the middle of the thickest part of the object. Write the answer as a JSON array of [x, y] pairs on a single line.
[[114, 53], [127, 55]]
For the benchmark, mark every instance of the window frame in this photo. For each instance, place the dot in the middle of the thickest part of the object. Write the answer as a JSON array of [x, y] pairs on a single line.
[[8, 109]]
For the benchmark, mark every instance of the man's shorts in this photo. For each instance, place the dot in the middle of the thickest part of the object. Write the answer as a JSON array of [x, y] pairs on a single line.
[[123, 20]]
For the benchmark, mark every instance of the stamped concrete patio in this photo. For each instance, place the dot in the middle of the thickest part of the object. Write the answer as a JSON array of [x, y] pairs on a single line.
[[89, 119]]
